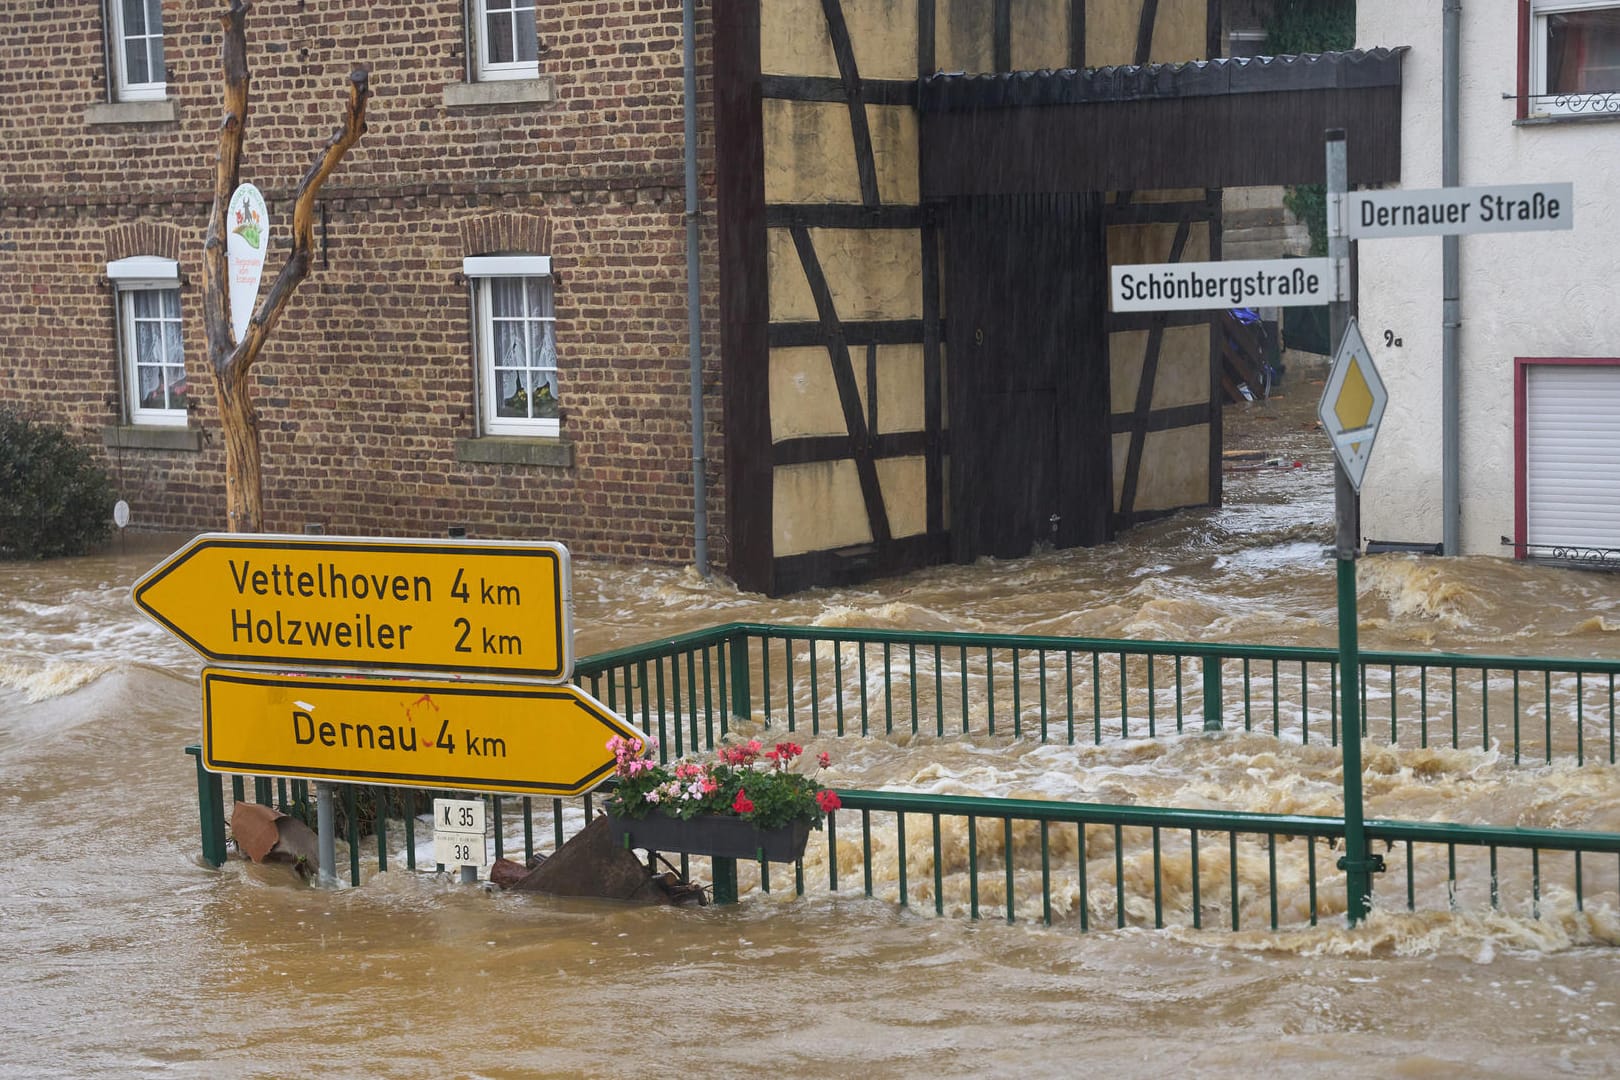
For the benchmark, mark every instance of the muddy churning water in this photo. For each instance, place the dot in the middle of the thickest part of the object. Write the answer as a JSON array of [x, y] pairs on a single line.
[[126, 956]]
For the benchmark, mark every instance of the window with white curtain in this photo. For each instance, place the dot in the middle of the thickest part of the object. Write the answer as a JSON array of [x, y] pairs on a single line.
[[516, 341], [152, 352]]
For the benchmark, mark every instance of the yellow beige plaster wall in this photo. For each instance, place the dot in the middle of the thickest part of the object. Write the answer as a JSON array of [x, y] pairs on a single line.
[[904, 483], [817, 506], [871, 274], [1180, 378], [964, 37], [1121, 454], [1040, 34], [804, 394], [793, 39], [895, 153], [1178, 32], [883, 36], [1175, 469], [1112, 27], [1152, 243], [810, 153]]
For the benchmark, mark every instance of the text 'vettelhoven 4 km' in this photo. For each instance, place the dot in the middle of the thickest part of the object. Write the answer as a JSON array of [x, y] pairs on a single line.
[[463, 606]]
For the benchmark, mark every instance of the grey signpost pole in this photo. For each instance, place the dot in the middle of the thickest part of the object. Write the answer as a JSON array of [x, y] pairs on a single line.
[[1358, 876], [324, 830]]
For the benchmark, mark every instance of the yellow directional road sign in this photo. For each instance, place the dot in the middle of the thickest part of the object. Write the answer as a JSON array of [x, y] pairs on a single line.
[[474, 607], [506, 737]]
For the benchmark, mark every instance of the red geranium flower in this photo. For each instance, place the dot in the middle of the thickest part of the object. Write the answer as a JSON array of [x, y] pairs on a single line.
[[743, 804], [828, 800]]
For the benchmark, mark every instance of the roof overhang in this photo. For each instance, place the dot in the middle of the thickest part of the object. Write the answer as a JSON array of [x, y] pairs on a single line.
[[1238, 122]]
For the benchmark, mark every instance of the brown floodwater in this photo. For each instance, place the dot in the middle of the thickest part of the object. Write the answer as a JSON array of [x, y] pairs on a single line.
[[125, 956]]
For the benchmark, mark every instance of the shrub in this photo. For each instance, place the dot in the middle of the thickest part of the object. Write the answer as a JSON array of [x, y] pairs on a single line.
[[54, 499]]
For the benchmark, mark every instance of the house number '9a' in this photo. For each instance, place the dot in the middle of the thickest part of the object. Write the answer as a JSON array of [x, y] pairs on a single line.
[[1391, 341]]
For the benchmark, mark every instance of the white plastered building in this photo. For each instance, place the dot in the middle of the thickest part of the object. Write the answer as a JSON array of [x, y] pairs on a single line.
[[1539, 340]]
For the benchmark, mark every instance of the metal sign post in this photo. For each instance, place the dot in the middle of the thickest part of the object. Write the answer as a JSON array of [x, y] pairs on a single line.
[[1356, 865]]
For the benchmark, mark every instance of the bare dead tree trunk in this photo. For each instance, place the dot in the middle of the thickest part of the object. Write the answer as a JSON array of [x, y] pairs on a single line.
[[230, 360]]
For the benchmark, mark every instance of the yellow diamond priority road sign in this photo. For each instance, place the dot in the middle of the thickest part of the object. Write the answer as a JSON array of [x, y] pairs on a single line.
[[1353, 404]]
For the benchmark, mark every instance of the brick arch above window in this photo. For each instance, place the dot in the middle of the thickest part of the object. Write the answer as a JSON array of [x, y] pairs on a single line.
[[143, 238], [529, 233]]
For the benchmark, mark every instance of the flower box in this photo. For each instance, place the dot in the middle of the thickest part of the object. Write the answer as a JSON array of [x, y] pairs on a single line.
[[716, 835]]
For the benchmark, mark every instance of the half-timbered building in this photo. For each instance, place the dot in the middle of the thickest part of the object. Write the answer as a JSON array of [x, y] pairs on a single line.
[[907, 212]]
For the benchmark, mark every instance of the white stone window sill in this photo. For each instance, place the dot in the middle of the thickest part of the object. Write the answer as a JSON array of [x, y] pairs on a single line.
[[467, 95], [152, 437], [1551, 119], [163, 111]]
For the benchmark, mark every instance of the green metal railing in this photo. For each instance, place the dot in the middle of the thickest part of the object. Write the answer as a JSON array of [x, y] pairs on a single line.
[[1120, 866], [1090, 863], [845, 681]]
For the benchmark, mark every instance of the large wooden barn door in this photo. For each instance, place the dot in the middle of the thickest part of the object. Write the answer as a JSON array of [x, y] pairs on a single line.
[[1026, 374]]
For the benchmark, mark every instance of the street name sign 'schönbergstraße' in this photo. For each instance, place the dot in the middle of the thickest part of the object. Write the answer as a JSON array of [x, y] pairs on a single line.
[[467, 736], [1373, 215], [472, 607], [1239, 283]]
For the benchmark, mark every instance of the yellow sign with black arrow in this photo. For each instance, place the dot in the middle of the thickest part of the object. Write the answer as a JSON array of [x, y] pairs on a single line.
[[474, 607], [467, 736]]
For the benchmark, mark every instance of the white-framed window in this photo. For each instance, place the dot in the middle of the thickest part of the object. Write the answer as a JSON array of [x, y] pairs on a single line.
[[153, 355], [136, 40], [1575, 57], [516, 323], [505, 42]]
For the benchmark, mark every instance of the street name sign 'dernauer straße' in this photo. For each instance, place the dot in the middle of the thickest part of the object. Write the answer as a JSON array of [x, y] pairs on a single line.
[[464, 607], [521, 739], [1235, 284], [1373, 215]]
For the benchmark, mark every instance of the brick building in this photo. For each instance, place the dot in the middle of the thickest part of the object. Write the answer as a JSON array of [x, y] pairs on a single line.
[[494, 334], [369, 397]]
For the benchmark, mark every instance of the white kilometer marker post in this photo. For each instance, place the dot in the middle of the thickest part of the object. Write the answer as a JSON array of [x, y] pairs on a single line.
[[458, 836]]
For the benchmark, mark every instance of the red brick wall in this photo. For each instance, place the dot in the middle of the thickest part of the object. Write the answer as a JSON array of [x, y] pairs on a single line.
[[368, 380]]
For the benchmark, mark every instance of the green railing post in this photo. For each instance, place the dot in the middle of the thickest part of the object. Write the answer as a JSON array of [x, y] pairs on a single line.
[[210, 811], [742, 702], [725, 880], [1212, 693], [1357, 867]]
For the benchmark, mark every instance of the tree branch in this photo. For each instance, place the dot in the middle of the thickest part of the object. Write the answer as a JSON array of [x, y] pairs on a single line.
[[227, 174], [303, 224]]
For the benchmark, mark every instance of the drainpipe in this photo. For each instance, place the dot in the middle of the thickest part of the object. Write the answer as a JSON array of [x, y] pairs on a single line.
[[1451, 301], [694, 312]]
